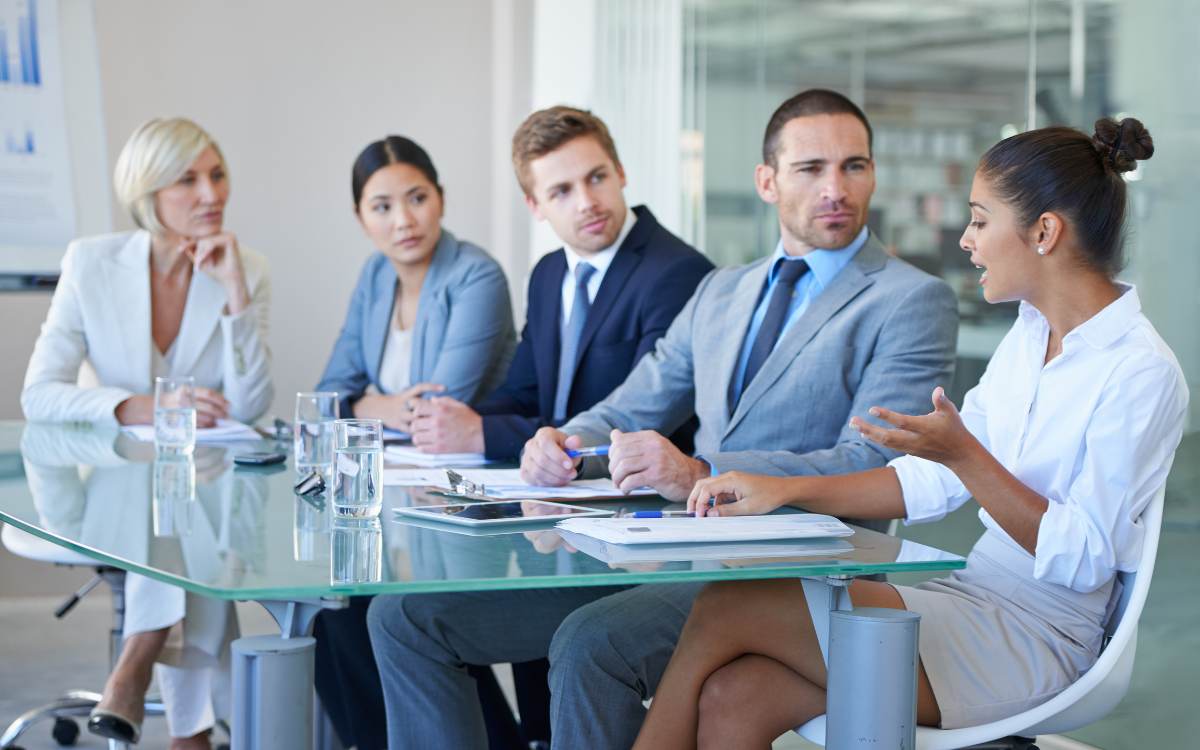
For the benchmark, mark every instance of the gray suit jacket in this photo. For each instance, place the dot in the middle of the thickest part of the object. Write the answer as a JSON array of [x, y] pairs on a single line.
[[882, 334], [463, 336]]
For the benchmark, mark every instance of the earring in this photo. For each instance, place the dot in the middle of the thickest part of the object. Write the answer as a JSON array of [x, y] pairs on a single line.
[[1041, 250]]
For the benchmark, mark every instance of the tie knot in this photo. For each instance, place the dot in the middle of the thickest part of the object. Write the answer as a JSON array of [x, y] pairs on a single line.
[[791, 270], [583, 272]]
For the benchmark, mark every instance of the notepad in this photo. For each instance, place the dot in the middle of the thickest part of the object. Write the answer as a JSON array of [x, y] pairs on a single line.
[[634, 553], [719, 529], [226, 431]]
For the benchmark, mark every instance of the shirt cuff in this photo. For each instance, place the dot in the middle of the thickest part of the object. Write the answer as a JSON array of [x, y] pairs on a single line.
[[712, 469], [921, 487]]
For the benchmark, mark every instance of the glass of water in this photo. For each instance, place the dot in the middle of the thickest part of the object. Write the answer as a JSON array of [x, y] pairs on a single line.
[[312, 433], [357, 468], [175, 414], [356, 551]]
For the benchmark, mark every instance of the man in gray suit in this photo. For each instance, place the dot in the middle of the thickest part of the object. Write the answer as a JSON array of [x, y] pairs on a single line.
[[774, 357]]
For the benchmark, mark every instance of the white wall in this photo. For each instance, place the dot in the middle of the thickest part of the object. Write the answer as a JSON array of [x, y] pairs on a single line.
[[293, 90]]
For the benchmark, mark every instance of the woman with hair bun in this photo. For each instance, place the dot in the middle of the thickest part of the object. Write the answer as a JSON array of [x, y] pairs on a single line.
[[1063, 443], [431, 313]]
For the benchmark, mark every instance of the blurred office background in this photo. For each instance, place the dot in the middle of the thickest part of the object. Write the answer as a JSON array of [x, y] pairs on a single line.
[[293, 89]]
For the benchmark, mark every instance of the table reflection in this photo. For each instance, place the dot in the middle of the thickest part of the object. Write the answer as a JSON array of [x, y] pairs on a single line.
[[103, 489], [355, 551]]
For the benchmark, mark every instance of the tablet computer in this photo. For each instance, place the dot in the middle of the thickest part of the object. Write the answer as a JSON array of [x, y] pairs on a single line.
[[500, 511]]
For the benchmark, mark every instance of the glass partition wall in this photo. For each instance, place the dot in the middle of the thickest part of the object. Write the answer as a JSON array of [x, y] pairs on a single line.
[[942, 81]]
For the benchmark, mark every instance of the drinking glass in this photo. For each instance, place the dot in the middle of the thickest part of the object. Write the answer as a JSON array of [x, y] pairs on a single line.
[[175, 414], [312, 433], [358, 468], [356, 551]]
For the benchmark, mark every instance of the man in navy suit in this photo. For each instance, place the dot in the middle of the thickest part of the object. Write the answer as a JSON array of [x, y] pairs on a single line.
[[595, 307], [576, 347]]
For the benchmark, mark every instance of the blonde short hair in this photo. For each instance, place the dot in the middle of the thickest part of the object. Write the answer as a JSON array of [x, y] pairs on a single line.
[[154, 157]]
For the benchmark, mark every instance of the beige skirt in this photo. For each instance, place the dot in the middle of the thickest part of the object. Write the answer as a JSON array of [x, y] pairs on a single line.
[[995, 641]]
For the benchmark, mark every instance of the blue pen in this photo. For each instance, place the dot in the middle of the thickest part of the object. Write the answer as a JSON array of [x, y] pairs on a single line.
[[595, 450], [661, 514]]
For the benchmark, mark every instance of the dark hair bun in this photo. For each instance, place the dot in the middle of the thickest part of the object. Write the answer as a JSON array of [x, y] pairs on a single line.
[[1122, 144]]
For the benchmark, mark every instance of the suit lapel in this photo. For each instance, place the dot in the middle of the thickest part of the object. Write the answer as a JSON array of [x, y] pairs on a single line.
[[740, 310], [201, 316], [379, 319], [623, 264], [847, 285], [128, 284], [432, 299], [545, 306]]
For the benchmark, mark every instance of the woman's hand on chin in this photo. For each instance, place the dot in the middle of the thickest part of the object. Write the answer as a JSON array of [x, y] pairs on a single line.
[[218, 257]]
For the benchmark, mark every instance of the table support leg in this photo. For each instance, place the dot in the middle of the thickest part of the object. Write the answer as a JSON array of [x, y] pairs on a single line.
[[825, 595], [273, 679]]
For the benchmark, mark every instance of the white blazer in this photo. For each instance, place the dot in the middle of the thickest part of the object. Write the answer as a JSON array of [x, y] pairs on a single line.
[[101, 314]]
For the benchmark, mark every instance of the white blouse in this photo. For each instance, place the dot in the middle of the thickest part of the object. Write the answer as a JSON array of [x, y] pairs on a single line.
[[394, 370], [1094, 431]]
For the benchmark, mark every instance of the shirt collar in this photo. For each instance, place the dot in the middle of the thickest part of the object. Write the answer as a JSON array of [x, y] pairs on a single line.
[[1105, 327], [824, 264], [603, 259]]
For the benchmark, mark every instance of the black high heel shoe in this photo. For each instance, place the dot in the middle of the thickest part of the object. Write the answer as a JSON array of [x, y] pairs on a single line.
[[114, 726]]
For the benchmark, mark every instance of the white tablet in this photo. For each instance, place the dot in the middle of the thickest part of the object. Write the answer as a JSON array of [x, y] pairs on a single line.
[[501, 511]]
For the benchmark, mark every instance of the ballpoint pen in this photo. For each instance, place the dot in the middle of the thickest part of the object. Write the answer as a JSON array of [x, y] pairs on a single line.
[[661, 514], [595, 450]]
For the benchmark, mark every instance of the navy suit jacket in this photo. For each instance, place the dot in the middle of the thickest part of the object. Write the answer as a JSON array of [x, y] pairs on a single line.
[[651, 277]]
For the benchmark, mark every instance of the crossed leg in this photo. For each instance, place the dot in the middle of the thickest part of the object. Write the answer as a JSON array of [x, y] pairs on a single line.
[[748, 668]]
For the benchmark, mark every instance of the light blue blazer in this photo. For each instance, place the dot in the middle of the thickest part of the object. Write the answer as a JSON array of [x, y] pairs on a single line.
[[463, 336]]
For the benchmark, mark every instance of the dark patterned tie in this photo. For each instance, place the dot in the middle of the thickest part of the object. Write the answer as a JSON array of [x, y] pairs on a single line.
[[571, 332], [772, 323]]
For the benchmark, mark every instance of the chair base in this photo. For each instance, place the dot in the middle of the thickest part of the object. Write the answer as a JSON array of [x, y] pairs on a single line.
[[74, 703], [1008, 743]]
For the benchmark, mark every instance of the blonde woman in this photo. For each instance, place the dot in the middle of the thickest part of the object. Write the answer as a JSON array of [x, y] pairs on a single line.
[[179, 296]]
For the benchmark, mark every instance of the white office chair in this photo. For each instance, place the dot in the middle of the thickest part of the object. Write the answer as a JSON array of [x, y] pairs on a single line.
[[73, 703], [1092, 697]]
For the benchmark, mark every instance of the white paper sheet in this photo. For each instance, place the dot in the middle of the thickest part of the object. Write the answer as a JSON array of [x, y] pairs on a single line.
[[506, 484], [226, 431], [720, 529], [407, 454]]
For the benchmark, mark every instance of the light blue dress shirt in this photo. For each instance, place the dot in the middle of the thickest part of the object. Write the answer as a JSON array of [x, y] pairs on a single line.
[[823, 268]]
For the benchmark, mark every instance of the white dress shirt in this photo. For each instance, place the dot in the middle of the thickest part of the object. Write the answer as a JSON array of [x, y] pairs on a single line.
[[599, 261], [1094, 431]]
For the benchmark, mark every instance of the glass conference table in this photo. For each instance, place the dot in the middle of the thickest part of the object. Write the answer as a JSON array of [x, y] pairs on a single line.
[[240, 533]]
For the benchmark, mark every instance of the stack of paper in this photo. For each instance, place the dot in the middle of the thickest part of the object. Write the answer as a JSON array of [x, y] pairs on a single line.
[[633, 553], [506, 484], [407, 454], [720, 529], [226, 431]]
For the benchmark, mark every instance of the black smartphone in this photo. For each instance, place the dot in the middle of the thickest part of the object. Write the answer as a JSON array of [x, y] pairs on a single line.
[[259, 458]]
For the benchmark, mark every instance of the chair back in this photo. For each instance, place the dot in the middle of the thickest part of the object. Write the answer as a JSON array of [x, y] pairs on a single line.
[[1095, 694]]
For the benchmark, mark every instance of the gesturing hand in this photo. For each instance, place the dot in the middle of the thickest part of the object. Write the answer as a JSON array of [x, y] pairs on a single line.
[[938, 436]]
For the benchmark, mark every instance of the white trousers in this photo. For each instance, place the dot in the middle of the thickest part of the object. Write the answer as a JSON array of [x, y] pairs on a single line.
[[193, 672]]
